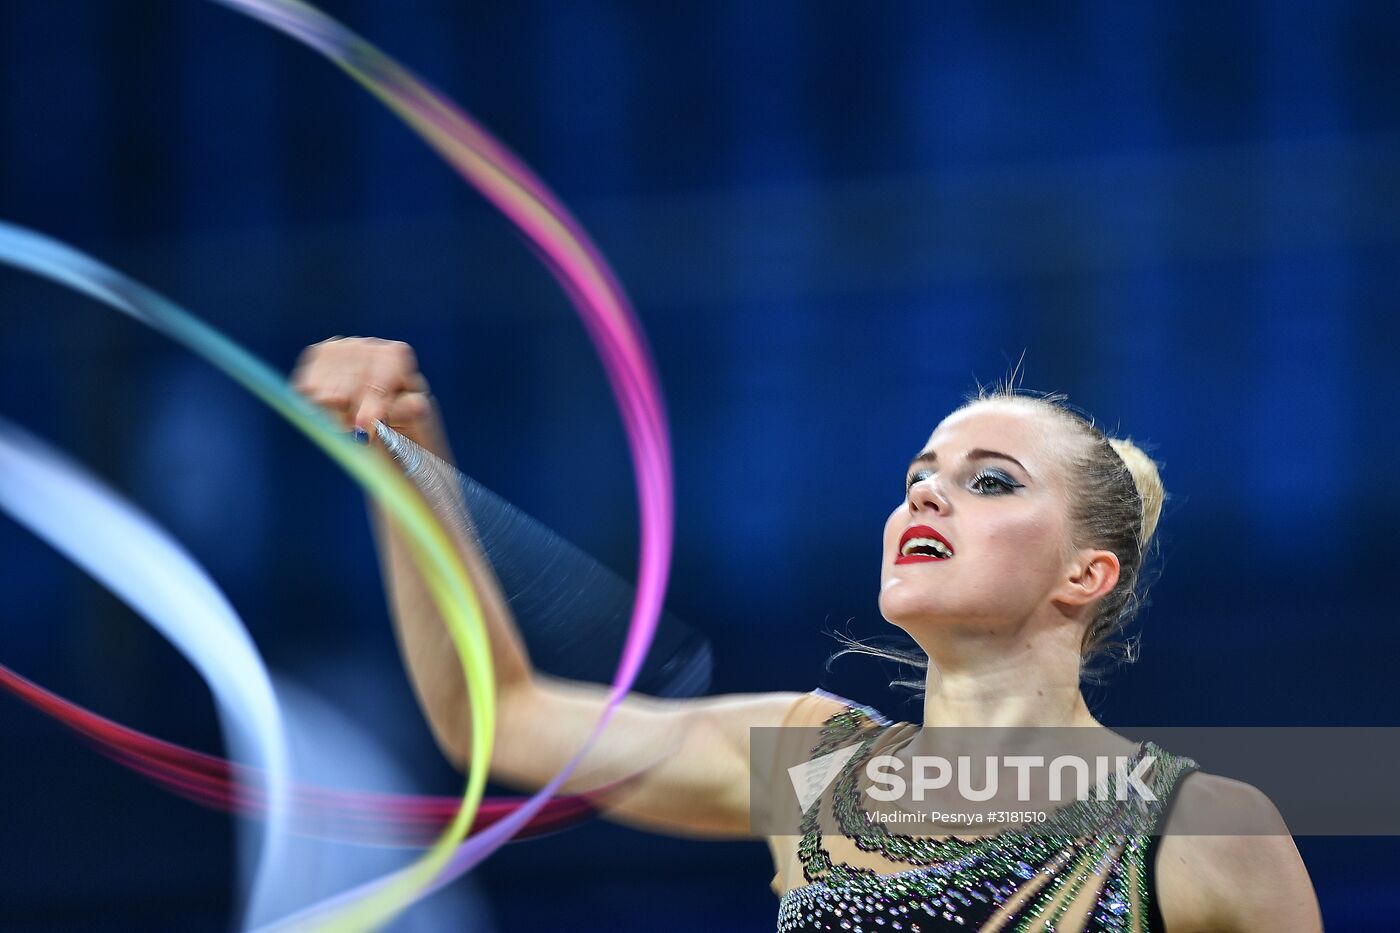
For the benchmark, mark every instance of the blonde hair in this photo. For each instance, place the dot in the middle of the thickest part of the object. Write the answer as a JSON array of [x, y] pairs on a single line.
[[1147, 479], [1116, 498]]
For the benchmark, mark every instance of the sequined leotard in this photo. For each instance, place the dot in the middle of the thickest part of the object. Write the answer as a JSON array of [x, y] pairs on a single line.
[[1074, 879]]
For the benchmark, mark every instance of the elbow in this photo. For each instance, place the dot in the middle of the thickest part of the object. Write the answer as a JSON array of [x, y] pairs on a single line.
[[455, 745], [514, 705]]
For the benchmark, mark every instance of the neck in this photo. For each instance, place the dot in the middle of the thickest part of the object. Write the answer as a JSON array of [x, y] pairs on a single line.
[[1019, 680]]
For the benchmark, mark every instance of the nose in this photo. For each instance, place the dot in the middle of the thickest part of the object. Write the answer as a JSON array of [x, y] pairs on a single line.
[[926, 497]]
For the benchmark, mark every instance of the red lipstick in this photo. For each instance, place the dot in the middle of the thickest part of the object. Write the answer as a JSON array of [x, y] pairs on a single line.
[[921, 531]]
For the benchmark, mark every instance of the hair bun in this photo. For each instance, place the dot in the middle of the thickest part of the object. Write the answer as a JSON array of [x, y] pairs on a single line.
[[1147, 480]]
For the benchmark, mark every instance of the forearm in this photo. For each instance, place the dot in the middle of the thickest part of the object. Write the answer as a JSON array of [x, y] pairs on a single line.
[[365, 382], [430, 655]]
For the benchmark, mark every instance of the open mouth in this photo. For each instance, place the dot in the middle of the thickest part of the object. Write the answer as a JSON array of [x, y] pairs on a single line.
[[920, 543]]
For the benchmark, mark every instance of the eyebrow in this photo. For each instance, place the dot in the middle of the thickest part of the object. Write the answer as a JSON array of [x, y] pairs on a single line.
[[977, 453]]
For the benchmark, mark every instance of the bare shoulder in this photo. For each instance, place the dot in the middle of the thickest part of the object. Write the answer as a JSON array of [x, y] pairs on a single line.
[[1251, 879], [813, 708], [797, 713]]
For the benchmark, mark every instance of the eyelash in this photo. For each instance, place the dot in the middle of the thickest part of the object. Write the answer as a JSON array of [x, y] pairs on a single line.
[[1006, 483]]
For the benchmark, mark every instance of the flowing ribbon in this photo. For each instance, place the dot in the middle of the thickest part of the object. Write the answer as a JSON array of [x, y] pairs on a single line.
[[603, 307], [364, 818], [432, 551], [146, 569], [606, 314]]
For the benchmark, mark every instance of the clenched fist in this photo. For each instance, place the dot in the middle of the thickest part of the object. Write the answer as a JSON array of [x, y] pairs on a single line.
[[361, 380]]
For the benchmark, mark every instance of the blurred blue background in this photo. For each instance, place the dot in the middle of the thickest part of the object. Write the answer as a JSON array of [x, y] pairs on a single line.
[[832, 222]]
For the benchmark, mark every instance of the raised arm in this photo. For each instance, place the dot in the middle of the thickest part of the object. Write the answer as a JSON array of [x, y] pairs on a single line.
[[691, 757]]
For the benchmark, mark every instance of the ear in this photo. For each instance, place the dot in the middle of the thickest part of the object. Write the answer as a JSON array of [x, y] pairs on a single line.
[[1093, 575]]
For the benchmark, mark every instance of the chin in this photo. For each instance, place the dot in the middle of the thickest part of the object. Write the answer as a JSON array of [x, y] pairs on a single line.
[[907, 608]]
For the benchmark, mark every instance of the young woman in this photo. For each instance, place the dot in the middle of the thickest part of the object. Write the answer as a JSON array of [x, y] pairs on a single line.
[[1014, 555]]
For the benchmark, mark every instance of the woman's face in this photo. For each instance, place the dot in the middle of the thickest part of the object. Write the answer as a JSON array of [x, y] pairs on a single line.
[[982, 537]]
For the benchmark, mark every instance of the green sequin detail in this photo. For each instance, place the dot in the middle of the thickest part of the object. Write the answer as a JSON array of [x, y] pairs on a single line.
[[1103, 842]]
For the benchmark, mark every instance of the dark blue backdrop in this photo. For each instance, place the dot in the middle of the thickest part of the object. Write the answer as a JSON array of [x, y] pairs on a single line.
[[832, 222]]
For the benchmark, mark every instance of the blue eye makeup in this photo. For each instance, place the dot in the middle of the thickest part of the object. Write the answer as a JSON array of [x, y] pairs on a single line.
[[985, 482], [918, 476], [993, 482]]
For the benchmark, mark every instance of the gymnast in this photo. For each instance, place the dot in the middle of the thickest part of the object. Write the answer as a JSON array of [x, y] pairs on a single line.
[[1012, 560]]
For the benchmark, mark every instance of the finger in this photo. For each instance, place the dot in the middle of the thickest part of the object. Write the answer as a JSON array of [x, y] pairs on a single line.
[[373, 406], [386, 375], [407, 410], [391, 365], [307, 372], [312, 363], [342, 390]]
